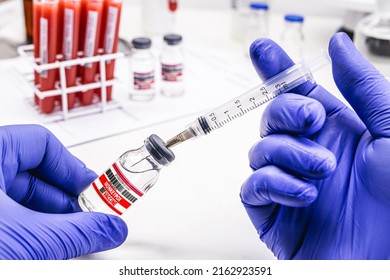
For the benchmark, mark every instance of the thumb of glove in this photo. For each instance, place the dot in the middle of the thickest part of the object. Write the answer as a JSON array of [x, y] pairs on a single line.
[[362, 85]]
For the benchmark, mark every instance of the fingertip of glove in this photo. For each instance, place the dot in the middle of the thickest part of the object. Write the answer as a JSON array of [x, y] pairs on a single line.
[[329, 165], [258, 46], [118, 228], [112, 228], [268, 58], [347, 61], [308, 196], [340, 40], [314, 116], [294, 114]]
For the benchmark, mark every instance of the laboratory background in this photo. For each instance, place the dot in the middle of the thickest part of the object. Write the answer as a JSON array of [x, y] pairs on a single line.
[[157, 66]]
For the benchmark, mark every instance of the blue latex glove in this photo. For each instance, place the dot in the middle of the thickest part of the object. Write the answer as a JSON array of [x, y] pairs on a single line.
[[321, 182], [39, 184]]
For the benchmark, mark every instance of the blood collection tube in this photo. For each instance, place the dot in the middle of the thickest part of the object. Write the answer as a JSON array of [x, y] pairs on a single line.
[[93, 12], [60, 28], [172, 5], [60, 25], [28, 20], [109, 42], [48, 24], [69, 44], [36, 26], [80, 53], [82, 23]]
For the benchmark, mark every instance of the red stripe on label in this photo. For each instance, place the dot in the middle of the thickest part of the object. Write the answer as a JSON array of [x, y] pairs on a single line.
[[127, 182], [105, 200], [113, 193]]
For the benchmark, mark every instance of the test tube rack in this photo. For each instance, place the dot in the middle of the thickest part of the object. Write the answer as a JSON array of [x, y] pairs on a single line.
[[26, 51]]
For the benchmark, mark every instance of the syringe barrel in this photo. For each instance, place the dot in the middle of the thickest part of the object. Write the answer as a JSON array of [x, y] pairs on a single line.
[[281, 83]]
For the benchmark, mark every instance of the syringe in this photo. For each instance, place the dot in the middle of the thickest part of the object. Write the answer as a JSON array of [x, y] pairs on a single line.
[[251, 99]]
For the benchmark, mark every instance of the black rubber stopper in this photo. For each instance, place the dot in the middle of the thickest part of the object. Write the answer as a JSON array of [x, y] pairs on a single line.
[[379, 47], [173, 39], [159, 151], [205, 126], [141, 43]]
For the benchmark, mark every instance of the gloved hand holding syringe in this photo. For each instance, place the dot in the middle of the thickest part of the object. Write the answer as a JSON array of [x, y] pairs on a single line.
[[251, 99], [137, 170]]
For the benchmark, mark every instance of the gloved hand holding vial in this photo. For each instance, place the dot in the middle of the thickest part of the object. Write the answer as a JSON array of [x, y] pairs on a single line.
[[40, 181]]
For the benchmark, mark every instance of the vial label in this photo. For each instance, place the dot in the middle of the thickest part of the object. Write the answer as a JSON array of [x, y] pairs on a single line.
[[111, 28], [67, 44], [143, 81], [172, 72], [117, 192], [43, 48], [90, 35]]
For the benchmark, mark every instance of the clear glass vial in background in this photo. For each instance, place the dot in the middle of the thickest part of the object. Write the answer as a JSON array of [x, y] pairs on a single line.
[[256, 24], [292, 39], [128, 179], [172, 65], [239, 15], [372, 37], [142, 70]]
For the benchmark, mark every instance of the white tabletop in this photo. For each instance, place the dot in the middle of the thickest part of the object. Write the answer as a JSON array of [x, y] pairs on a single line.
[[194, 210]]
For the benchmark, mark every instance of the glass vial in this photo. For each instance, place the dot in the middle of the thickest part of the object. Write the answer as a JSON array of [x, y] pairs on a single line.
[[257, 24], [239, 15], [292, 36], [142, 70], [128, 179], [372, 37], [172, 63], [235, 20]]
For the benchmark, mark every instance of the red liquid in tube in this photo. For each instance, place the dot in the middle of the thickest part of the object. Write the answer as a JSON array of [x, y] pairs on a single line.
[[60, 27], [110, 39], [82, 24], [172, 4], [91, 36], [81, 38], [48, 24], [36, 18], [71, 11], [59, 42]]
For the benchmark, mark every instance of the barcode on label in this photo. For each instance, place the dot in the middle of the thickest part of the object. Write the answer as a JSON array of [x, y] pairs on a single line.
[[118, 184]]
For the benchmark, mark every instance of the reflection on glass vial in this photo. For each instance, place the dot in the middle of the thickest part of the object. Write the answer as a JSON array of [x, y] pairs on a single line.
[[292, 37], [257, 24], [172, 63], [240, 11], [372, 37], [128, 179], [142, 70]]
